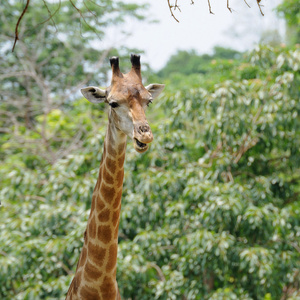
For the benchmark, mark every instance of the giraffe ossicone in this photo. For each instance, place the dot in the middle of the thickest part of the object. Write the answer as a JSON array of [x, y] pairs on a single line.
[[95, 276]]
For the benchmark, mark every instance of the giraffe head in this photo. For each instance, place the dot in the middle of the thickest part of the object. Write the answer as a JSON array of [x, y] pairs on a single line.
[[128, 99]]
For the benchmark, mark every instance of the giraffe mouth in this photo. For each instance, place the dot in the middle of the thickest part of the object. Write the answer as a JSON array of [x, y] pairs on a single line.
[[139, 146]]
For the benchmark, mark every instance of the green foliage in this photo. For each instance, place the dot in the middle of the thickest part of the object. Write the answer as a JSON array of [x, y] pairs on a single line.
[[187, 69], [211, 211], [189, 62], [290, 9], [53, 59], [218, 208]]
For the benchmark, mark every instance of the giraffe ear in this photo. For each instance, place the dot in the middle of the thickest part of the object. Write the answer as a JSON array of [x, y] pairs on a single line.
[[94, 94], [155, 89]]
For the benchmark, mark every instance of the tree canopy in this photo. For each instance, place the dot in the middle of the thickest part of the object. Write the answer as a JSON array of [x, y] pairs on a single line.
[[290, 9], [210, 211], [189, 62], [51, 62]]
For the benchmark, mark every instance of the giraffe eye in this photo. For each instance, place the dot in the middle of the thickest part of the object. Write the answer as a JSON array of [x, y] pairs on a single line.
[[114, 104]]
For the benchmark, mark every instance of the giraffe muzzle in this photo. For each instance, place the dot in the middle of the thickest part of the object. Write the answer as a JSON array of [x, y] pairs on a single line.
[[139, 146], [142, 137]]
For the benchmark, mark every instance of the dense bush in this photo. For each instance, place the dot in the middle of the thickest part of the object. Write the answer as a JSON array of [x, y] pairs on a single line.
[[211, 211]]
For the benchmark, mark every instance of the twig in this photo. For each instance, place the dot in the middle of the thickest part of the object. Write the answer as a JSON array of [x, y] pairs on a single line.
[[245, 147], [35, 197], [259, 6], [96, 4], [18, 23], [92, 13], [247, 4], [81, 15], [170, 7], [88, 77], [176, 6], [51, 15], [228, 6], [158, 270], [209, 6]]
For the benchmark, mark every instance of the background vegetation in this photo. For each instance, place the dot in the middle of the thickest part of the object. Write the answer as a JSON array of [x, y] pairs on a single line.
[[211, 211]]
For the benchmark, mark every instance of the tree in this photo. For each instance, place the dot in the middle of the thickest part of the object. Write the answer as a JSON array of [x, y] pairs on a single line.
[[218, 216], [54, 58], [211, 211], [290, 10], [189, 62]]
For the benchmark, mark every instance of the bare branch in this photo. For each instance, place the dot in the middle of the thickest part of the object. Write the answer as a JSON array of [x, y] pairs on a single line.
[[96, 4], [88, 76], [92, 13], [66, 150], [84, 20], [230, 9], [175, 6], [18, 23], [50, 14], [247, 4], [170, 7], [259, 6], [209, 6]]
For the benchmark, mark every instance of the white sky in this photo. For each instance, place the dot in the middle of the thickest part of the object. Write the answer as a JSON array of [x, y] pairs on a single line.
[[197, 29]]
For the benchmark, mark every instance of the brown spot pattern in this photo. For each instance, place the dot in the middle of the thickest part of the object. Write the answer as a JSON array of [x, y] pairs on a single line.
[[98, 182], [121, 160], [82, 257], [111, 150], [104, 233], [117, 230], [70, 291], [91, 272], [118, 199], [107, 192], [111, 165], [76, 282], [89, 293], [104, 153], [94, 199], [116, 217], [121, 147], [104, 215], [112, 258], [108, 288], [107, 177], [100, 204], [120, 177], [92, 227], [96, 253]]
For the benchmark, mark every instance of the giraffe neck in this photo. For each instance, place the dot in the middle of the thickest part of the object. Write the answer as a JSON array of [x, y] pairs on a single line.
[[95, 276]]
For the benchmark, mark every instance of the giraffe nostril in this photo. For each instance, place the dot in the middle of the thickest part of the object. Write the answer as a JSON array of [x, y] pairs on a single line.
[[144, 128]]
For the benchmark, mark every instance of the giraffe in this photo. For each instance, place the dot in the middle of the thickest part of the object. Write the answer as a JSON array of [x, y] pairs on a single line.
[[95, 276]]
